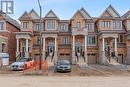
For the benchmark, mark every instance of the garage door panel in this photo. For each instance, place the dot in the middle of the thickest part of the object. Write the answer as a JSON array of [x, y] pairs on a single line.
[[120, 59], [92, 59]]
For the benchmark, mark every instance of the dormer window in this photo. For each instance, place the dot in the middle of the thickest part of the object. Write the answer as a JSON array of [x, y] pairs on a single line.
[[50, 25], [25, 25], [1, 25]]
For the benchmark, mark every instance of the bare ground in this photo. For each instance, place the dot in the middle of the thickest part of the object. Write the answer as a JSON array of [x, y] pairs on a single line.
[[90, 76]]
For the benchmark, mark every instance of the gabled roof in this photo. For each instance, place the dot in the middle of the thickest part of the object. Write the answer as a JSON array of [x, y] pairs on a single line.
[[126, 15], [33, 14], [84, 14], [110, 12], [25, 15], [51, 14], [9, 19]]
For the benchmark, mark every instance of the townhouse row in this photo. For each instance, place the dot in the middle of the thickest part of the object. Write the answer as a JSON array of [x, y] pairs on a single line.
[[82, 39]]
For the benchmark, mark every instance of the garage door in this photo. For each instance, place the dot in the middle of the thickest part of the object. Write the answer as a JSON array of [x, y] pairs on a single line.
[[92, 59], [120, 58]]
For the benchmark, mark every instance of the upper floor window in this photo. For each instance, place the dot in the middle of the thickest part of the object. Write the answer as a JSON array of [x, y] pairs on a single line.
[[51, 25], [91, 40], [65, 40], [117, 25], [64, 27], [3, 47], [78, 25], [25, 25], [105, 24], [37, 27], [128, 24], [89, 26], [1, 25], [120, 38]]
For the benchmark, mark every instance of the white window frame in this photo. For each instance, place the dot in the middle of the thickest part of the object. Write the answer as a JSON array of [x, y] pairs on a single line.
[[3, 50], [105, 24], [90, 26], [51, 25], [78, 25], [37, 26], [128, 25], [65, 40], [90, 40], [117, 25], [26, 26], [64, 27], [119, 38], [4, 26]]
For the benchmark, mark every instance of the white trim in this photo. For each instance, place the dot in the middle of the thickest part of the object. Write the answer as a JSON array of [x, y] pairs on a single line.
[[3, 37]]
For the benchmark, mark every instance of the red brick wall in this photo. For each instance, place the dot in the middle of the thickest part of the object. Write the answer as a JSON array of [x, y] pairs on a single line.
[[10, 34]]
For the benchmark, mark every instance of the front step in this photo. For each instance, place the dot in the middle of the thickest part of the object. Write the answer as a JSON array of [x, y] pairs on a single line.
[[50, 61], [81, 61], [114, 62]]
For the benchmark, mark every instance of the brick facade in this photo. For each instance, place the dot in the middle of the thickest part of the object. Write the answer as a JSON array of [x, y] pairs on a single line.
[[9, 34], [82, 39]]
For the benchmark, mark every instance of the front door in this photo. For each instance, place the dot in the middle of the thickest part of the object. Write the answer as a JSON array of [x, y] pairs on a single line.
[[107, 49], [78, 49], [51, 49]]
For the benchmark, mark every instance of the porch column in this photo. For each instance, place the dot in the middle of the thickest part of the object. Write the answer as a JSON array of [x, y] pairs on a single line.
[[27, 53], [116, 47], [44, 46], [86, 48], [73, 51], [17, 45], [103, 48], [103, 51], [55, 44], [17, 49], [73, 43], [115, 44], [55, 54]]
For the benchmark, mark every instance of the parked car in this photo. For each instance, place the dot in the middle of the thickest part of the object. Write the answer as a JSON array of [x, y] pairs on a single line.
[[63, 66], [22, 63]]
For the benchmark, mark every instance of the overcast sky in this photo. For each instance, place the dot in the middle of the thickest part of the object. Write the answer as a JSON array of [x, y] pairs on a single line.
[[65, 9]]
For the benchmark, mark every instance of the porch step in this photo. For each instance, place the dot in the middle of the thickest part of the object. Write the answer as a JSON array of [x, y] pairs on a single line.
[[50, 61], [81, 61], [114, 62]]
